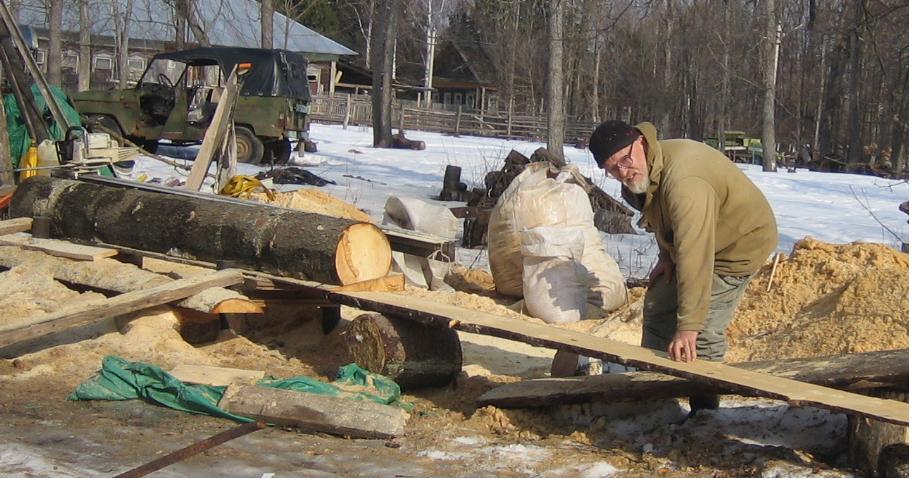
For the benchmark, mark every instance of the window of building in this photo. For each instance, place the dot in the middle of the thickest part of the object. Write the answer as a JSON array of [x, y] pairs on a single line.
[[435, 97], [102, 61], [136, 63], [471, 100], [447, 98], [70, 60], [458, 98], [40, 56]]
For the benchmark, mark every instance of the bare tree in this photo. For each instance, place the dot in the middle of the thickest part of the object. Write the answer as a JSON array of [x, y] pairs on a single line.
[[383, 39], [854, 125], [85, 53], [772, 40], [434, 16], [55, 52], [122, 38], [266, 24], [180, 10], [555, 111]]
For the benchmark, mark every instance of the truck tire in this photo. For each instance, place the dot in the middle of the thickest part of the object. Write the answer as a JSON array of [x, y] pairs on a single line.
[[248, 146], [282, 151]]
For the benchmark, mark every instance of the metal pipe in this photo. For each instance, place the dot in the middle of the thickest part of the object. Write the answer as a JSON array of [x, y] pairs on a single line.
[[193, 449]]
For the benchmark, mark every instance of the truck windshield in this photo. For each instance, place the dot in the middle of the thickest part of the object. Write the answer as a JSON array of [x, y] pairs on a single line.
[[164, 72]]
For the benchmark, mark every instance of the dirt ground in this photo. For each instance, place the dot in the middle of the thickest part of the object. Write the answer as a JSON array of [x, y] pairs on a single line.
[[824, 299]]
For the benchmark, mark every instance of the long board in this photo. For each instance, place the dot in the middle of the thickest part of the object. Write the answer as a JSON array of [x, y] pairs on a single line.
[[846, 372], [739, 381]]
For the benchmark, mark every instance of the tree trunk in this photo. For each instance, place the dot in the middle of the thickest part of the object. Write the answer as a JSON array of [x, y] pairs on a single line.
[[383, 36], [555, 112], [6, 164], [667, 81], [55, 40], [122, 39], [260, 237], [266, 23], [773, 30], [412, 354], [180, 25], [854, 124], [85, 52], [195, 28], [431, 36]]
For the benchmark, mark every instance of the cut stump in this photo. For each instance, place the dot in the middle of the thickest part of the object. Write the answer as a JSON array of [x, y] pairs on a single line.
[[410, 353]]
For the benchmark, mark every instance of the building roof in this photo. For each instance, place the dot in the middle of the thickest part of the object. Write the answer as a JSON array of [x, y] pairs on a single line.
[[226, 22]]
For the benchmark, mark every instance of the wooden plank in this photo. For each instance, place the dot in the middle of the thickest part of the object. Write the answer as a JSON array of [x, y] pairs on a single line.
[[846, 372], [736, 380], [114, 276], [215, 133], [15, 225], [314, 412], [214, 375], [63, 249], [87, 312]]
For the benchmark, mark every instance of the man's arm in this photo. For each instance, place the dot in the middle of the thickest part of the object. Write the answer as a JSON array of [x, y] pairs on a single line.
[[693, 214]]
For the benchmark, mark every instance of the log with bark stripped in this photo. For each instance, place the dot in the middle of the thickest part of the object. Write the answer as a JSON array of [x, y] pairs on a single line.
[[253, 236]]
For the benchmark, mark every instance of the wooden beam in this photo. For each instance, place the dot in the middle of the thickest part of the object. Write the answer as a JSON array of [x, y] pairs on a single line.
[[88, 312], [391, 282], [215, 133], [846, 372], [314, 412], [736, 380], [63, 249], [15, 225]]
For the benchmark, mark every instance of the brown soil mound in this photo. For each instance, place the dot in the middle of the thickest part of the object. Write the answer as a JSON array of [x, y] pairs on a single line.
[[315, 201], [825, 299]]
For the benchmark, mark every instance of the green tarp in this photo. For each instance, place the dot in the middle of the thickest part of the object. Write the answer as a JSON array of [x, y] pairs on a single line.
[[119, 380], [15, 125]]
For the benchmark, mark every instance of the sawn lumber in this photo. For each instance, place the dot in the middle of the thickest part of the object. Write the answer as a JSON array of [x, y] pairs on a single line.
[[87, 312], [846, 372], [55, 247], [735, 380], [15, 225], [112, 275]]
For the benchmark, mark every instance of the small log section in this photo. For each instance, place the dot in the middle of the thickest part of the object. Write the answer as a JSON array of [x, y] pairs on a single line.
[[286, 242], [410, 353], [845, 372], [112, 275], [877, 448], [314, 412], [92, 311], [15, 225], [736, 380]]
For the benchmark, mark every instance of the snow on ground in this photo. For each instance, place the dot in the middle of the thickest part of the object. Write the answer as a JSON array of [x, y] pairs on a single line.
[[831, 207]]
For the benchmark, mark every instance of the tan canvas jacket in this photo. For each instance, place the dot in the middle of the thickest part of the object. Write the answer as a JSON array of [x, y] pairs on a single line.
[[707, 214]]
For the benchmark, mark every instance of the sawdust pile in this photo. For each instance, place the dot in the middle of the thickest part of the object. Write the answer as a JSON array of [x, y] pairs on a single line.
[[315, 201], [825, 299], [18, 298]]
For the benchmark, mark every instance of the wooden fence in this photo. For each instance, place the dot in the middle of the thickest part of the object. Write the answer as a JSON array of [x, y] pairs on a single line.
[[356, 110]]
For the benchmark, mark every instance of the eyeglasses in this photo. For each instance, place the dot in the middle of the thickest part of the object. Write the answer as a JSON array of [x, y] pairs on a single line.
[[624, 162]]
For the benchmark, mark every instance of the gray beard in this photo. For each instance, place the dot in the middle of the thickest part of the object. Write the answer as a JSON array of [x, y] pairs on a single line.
[[639, 187]]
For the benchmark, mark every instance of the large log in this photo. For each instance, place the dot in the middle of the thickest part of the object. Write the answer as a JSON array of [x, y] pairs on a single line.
[[290, 243], [313, 412], [410, 353], [846, 372]]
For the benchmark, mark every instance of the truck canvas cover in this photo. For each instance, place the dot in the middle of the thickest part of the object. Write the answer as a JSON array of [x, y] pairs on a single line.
[[272, 72]]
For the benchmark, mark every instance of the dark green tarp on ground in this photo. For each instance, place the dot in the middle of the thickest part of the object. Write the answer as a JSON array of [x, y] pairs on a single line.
[[120, 380]]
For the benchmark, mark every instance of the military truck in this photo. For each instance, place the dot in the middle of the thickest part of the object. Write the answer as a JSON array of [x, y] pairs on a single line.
[[176, 98]]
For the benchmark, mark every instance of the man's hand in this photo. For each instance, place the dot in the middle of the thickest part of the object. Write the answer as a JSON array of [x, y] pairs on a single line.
[[682, 347], [664, 267]]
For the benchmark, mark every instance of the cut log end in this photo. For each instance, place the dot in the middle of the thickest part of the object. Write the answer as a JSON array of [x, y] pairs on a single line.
[[412, 354], [363, 253]]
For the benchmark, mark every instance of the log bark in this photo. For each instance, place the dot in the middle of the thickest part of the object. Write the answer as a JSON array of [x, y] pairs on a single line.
[[848, 372], [254, 236], [313, 412], [410, 353]]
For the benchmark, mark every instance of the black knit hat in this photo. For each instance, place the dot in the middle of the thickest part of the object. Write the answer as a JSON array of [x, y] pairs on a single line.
[[610, 137]]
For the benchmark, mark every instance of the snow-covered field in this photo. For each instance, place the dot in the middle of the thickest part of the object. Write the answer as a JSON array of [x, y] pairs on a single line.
[[831, 207]]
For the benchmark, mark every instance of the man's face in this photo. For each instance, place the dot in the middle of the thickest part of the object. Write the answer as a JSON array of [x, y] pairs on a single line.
[[629, 165]]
